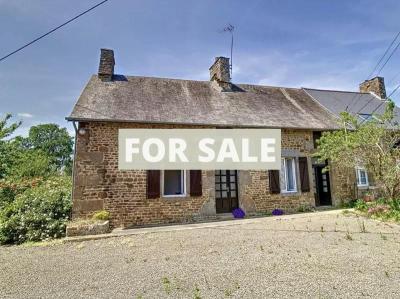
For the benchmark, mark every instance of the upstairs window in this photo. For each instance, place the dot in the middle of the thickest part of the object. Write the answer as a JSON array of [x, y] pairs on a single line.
[[365, 117], [173, 182], [288, 175], [362, 177]]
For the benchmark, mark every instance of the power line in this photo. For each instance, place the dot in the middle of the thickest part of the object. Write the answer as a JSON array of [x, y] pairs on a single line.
[[52, 30], [392, 93], [394, 90], [387, 60], [352, 102], [383, 56]]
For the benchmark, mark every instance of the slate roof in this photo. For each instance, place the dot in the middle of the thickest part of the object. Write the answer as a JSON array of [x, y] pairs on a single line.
[[353, 102], [159, 100]]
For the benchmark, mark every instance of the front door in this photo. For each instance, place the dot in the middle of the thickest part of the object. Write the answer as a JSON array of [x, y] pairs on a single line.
[[323, 186], [226, 191]]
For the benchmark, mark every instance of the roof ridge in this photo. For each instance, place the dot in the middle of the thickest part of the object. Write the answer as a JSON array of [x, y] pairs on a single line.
[[334, 90], [203, 81]]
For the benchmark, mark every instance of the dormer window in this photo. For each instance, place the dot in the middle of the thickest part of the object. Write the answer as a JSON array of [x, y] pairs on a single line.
[[365, 117]]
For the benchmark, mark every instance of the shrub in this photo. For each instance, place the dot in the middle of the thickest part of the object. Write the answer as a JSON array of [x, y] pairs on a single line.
[[304, 209], [378, 210], [395, 205], [348, 204], [10, 188], [101, 215], [361, 205], [39, 213], [381, 208]]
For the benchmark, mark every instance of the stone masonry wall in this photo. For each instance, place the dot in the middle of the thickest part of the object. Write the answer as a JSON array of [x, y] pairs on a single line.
[[255, 192], [98, 184]]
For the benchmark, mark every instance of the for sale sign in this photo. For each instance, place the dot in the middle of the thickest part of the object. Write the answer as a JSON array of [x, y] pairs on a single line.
[[205, 149]]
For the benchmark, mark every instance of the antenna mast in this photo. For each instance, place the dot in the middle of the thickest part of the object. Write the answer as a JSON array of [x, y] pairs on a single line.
[[230, 28]]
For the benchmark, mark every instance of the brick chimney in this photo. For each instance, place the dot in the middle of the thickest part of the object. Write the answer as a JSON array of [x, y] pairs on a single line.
[[375, 85], [106, 66], [220, 74]]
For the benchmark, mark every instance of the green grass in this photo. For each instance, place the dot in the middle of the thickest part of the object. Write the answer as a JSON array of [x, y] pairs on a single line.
[[348, 236], [167, 285], [197, 294]]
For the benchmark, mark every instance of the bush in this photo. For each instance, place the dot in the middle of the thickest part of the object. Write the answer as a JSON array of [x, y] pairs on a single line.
[[361, 205], [348, 204], [101, 215], [10, 188], [384, 209], [39, 213], [395, 205]]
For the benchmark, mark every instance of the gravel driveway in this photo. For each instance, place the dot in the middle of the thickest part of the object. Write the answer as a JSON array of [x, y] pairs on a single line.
[[322, 255]]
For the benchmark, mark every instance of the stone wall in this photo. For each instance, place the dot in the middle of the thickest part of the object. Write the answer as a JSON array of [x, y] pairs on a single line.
[[342, 185], [98, 184], [254, 185]]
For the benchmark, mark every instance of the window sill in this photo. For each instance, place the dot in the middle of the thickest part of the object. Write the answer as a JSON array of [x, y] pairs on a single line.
[[290, 193], [174, 196], [362, 186]]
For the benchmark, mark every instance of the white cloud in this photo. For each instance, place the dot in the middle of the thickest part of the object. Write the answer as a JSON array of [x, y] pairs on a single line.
[[25, 115]]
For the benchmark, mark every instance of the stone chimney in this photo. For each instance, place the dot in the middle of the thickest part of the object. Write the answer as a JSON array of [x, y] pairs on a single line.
[[375, 85], [106, 66], [220, 70], [220, 74]]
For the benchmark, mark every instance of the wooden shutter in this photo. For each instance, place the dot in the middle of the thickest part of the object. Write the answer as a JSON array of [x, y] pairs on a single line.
[[274, 185], [195, 183], [304, 178], [153, 183]]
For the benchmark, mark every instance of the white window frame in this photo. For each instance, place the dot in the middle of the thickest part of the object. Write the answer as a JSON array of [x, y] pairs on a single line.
[[366, 117], [183, 182], [358, 176], [293, 159]]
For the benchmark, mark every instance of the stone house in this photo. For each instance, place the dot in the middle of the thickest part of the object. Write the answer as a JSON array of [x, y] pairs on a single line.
[[136, 197]]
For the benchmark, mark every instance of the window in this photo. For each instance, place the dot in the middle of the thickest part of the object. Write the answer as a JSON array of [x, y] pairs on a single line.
[[288, 175], [365, 117], [173, 182], [362, 177]]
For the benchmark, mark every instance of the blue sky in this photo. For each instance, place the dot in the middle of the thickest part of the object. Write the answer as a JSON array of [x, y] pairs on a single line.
[[308, 43]]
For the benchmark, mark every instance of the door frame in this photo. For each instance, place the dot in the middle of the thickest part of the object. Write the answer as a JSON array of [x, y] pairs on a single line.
[[319, 186], [233, 201]]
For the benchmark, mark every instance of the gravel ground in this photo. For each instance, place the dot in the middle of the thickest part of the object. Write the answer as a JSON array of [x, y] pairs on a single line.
[[322, 255]]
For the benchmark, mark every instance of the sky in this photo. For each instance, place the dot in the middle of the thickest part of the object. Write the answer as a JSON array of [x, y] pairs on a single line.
[[304, 43]]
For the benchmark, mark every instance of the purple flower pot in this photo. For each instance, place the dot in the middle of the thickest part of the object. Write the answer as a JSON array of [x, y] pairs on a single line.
[[238, 213], [277, 212]]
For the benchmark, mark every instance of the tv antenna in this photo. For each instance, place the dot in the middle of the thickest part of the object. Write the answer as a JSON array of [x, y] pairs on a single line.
[[230, 28]]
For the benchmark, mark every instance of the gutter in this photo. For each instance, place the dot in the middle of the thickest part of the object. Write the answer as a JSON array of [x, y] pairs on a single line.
[[73, 165], [77, 119]]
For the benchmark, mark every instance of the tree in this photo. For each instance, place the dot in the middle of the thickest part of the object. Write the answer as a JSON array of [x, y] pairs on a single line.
[[6, 130], [55, 142], [373, 144]]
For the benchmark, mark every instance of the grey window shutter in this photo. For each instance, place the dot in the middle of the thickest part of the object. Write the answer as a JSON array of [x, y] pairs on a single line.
[[195, 183], [274, 185], [153, 183], [304, 178]]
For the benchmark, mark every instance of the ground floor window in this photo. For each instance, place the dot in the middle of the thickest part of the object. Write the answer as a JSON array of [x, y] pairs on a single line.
[[362, 177], [288, 175], [173, 182]]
